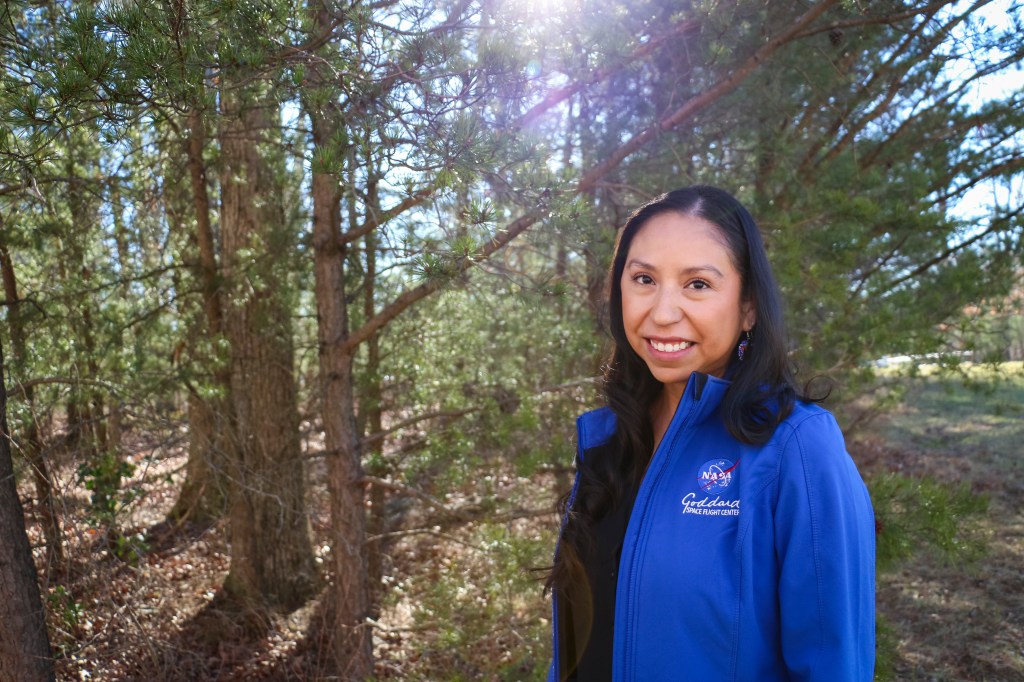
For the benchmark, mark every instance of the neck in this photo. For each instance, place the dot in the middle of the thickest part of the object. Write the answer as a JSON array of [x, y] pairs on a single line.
[[663, 408], [670, 396]]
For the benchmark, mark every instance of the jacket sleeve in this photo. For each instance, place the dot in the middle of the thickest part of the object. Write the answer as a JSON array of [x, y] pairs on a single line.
[[825, 546]]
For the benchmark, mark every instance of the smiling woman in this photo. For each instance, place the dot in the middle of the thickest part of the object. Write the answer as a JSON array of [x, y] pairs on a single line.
[[717, 528], [682, 308]]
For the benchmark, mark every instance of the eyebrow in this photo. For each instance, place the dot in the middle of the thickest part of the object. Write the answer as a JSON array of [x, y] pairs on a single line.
[[694, 270]]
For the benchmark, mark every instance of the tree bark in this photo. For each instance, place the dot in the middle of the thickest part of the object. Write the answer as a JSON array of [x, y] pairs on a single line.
[[271, 551], [351, 640], [349, 636], [203, 496], [24, 642], [377, 517], [32, 443]]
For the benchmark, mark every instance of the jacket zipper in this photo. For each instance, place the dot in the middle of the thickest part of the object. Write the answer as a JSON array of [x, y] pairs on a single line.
[[628, 670]]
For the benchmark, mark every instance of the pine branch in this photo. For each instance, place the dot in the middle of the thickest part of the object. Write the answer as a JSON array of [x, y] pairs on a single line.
[[562, 94], [418, 293], [994, 227], [702, 101], [896, 83], [590, 179], [884, 19], [375, 220]]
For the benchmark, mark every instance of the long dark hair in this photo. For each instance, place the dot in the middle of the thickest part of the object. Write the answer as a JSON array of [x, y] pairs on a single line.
[[761, 395]]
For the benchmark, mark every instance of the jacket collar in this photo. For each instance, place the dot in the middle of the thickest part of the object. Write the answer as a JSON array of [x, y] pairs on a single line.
[[701, 398]]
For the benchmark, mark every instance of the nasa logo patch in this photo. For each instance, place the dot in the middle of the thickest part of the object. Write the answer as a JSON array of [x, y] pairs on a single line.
[[715, 475]]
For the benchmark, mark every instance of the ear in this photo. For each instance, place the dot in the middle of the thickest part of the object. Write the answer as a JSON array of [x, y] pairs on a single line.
[[749, 315]]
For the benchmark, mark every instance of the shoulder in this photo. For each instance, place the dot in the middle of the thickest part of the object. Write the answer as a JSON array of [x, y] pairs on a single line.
[[808, 420], [595, 428], [811, 444]]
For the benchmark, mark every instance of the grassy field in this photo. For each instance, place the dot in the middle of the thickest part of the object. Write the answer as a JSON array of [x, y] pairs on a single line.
[[958, 620]]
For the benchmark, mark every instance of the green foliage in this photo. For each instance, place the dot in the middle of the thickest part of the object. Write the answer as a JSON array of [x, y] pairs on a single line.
[[886, 642], [852, 154], [476, 604], [67, 613], [326, 160], [103, 478], [993, 334], [437, 267], [129, 548], [501, 351], [913, 515]]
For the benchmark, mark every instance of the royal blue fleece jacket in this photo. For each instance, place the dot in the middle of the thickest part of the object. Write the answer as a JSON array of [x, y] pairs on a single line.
[[743, 562]]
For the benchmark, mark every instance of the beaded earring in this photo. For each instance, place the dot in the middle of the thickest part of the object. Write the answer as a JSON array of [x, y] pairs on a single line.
[[742, 348]]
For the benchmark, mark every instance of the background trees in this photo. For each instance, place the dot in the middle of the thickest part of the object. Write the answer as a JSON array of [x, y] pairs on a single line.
[[350, 256]]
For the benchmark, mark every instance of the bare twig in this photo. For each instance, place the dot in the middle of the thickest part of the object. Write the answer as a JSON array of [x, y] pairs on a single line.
[[443, 414]]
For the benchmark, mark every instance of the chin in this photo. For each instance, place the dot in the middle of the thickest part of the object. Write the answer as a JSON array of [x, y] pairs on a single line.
[[672, 377]]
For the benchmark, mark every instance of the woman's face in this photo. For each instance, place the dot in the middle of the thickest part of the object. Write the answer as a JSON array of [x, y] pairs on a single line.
[[682, 305]]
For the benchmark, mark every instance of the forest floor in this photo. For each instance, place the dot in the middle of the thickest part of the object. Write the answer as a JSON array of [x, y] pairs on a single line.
[[460, 605], [958, 621]]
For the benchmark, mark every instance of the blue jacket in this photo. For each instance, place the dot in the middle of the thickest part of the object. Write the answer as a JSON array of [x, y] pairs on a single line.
[[743, 562]]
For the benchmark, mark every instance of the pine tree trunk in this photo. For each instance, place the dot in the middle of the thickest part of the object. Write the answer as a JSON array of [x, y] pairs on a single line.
[[377, 517], [271, 551], [203, 496], [350, 640], [24, 642], [350, 635], [31, 443]]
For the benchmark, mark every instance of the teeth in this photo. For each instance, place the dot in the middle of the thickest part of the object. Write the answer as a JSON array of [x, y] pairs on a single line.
[[670, 347]]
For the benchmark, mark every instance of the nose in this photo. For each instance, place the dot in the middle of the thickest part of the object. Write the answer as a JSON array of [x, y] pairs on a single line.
[[667, 308]]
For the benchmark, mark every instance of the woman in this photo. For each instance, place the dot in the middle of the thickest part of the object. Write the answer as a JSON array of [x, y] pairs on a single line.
[[717, 528]]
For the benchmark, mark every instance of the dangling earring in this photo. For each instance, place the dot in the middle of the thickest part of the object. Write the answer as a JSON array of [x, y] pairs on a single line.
[[742, 348]]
